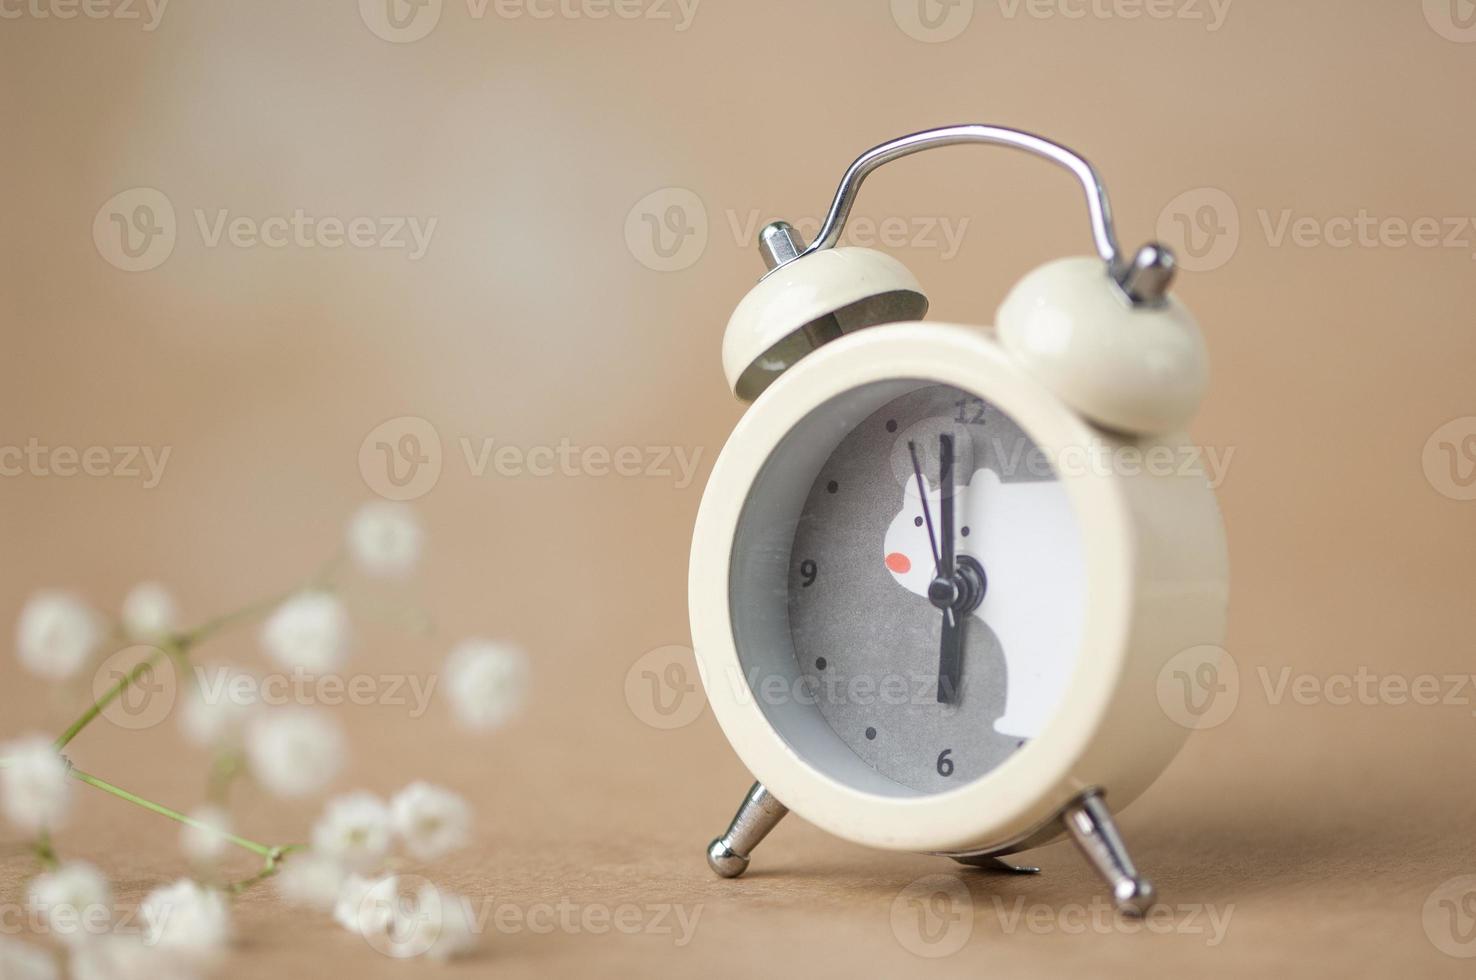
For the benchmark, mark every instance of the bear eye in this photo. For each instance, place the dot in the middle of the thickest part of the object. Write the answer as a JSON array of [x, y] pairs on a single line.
[[917, 522], [965, 531]]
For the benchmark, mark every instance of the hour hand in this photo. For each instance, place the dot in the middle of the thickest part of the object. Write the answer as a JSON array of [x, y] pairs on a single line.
[[950, 659]]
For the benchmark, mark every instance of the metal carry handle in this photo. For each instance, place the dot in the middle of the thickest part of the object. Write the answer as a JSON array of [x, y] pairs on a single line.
[[1144, 280]]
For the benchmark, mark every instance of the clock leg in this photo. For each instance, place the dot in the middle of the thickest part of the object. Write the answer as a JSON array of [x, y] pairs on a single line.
[[759, 814], [1095, 833]]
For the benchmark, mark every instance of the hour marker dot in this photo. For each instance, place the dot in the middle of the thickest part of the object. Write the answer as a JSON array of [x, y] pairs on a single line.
[[964, 532], [891, 425], [832, 486], [819, 663], [917, 522], [871, 733]]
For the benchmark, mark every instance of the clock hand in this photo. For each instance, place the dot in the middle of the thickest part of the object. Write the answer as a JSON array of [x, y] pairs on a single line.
[[922, 492], [945, 591]]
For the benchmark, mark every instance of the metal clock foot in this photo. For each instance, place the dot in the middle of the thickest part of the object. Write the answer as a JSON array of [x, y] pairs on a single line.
[[759, 814], [1094, 831]]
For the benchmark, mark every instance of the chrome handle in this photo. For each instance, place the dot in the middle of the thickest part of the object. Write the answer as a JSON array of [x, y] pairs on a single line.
[[1145, 279]]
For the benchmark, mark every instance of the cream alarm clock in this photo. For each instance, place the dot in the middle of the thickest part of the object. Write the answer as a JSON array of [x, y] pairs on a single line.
[[935, 575]]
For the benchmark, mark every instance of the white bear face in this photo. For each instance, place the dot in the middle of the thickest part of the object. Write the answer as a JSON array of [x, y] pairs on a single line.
[[1024, 535]]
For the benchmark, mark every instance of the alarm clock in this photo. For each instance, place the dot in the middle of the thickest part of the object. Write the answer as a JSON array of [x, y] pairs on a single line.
[[936, 574]]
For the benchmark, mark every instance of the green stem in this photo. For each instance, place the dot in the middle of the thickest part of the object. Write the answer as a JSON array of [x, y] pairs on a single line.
[[272, 866], [45, 852], [111, 695], [180, 644], [223, 771], [321, 580], [271, 853]]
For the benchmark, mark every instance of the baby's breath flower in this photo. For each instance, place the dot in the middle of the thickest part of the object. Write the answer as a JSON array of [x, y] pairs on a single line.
[[120, 956], [187, 919], [149, 612], [294, 751], [74, 900], [486, 681], [308, 632], [204, 845], [22, 961], [35, 792], [56, 634], [430, 820], [354, 831], [368, 907], [443, 923], [217, 706], [384, 539], [310, 880]]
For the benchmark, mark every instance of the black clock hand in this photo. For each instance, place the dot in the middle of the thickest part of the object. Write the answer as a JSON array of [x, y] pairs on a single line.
[[922, 492], [945, 586]]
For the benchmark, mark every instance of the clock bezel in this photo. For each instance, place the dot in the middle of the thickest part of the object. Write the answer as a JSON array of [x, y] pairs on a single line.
[[1101, 733]]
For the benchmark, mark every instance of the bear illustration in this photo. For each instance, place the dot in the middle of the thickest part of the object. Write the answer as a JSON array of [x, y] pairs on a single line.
[[1025, 536]]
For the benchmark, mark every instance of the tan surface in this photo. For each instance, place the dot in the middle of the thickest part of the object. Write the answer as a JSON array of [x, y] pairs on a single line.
[[1324, 826]]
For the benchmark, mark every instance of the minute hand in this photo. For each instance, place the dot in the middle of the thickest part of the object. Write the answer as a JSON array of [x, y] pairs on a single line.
[[950, 653]]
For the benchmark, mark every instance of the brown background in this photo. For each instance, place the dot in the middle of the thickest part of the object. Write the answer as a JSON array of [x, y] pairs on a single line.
[[531, 320]]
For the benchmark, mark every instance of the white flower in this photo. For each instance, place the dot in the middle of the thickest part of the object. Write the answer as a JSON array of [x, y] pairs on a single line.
[[384, 538], [443, 923], [149, 612], [205, 844], [310, 880], [354, 831], [186, 918], [74, 900], [308, 632], [217, 707], [35, 792], [430, 820], [120, 957], [125, 957], [368, 906], [487, 682], [56, 634], [294, 751], [22, 961], [429, 923]]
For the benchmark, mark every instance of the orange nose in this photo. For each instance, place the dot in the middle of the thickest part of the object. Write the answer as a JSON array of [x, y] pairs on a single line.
[[899, 563]]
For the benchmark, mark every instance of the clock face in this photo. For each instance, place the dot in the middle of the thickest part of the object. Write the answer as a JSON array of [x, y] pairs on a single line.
[[923, 703]]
